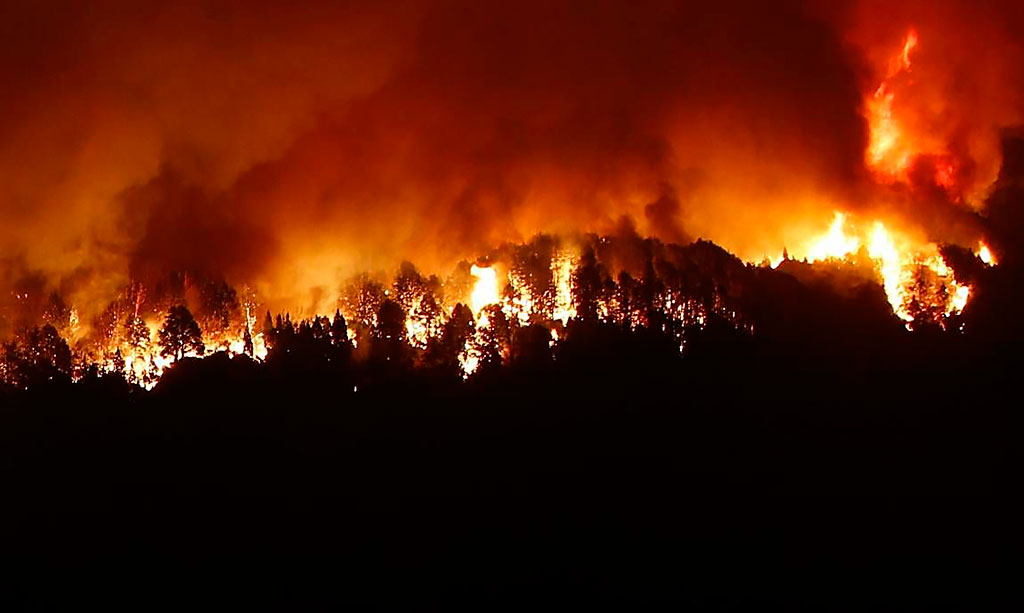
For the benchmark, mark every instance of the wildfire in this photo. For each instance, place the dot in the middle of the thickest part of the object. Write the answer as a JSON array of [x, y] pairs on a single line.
[[914, 276], [894, 145], [889, 152], [485, 290], [833, 244], [351, 183], [985, 254], [561, 271], [917, 281], [144, 364]]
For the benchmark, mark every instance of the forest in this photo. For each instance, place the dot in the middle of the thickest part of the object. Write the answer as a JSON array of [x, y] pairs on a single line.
[[777, 436], [701, 431]]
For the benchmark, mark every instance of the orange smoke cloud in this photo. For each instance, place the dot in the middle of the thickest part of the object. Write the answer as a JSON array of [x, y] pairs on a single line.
[[289, 147], [943, 98]]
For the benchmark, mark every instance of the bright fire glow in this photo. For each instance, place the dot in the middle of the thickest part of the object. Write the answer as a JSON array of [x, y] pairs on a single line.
[[485, 291], [889, 151], [835, 243], [893, 143], [915, 277], [561, 271], [986, 255], [144, 364]]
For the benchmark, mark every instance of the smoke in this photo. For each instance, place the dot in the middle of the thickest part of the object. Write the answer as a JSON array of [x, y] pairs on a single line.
[[288, 147], [964, 84]]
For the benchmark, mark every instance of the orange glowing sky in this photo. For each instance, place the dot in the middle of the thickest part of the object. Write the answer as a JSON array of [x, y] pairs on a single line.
[[288, 145]]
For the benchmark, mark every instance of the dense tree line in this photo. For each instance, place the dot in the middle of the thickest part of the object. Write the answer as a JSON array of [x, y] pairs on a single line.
[[683, 293]]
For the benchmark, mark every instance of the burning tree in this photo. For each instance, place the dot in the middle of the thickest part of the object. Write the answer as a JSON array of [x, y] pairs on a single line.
[[339, 330], [493, 337], [136, 334], [49, 352], [361, 301], [220, 309], [531, 289], [588, 285], [57, 313], [453, 348], [418, 298], [926, 298], [41, 356], [180, 334]]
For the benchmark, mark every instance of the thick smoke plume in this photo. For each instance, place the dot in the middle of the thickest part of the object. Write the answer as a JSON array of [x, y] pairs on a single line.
[[289, 145]]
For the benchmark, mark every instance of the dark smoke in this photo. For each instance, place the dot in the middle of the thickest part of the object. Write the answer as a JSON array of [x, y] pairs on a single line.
[[289, 146]]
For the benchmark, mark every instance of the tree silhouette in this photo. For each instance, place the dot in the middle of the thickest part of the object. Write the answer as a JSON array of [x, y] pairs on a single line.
[[339, 329], [362, 298], [117, 361], [459, 330], [389, 335], [247, 345], [587, 286], [220, 309], [12, 370], [136, 334], [321, 327], [495, 338], [180, 334], [417, 297], [531, 345], [269, 331], [57, 312], [45, 356]]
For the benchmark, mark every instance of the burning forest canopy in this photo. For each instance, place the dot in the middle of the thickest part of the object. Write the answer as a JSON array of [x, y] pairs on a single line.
[[441, 176]]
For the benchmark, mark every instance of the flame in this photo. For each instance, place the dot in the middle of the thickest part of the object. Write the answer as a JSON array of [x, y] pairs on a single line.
[[417, 332], [916, 279], [523, 307], [835, 243], [882, 249], [900, 264], [889, 153], [519, 306], [485, 290], [561, 273], [985, 254], [893, 144], [909, 107], [485, 293], [145, 365], [469, 360]]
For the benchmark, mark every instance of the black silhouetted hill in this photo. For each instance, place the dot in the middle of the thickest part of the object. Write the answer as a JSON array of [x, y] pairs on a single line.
[[616, 471]]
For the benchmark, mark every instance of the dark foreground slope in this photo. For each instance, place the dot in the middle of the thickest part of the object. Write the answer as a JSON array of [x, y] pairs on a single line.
[[748, 473]]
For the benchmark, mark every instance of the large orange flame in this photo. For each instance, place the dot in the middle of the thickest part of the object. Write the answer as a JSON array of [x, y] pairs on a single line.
[[889, 152]]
